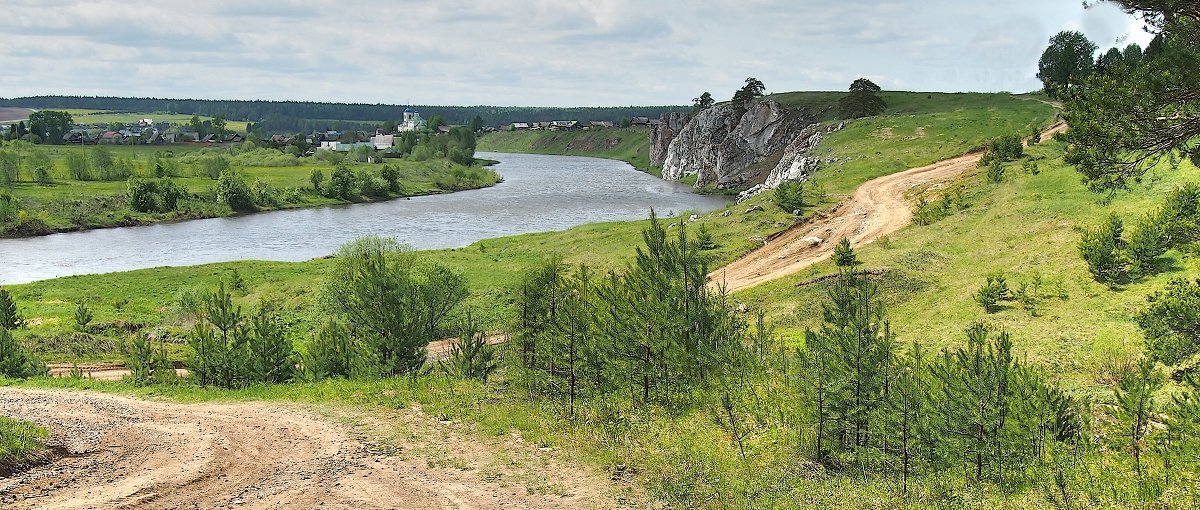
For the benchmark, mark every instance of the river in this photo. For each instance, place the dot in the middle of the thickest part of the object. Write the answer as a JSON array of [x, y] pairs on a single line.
[[539, 194]]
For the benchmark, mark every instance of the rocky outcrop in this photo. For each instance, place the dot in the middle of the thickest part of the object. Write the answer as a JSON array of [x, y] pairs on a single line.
[[721, 144], [798, 161], [660, 137]]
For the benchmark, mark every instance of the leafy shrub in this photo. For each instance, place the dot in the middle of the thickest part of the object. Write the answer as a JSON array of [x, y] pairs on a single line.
[[215, 166], [162, 195], [993, 293], [316, 178], [233, 191], [342, 183], [267, 195], [373, 185], [391, 174], [789, 196], [42, 175], [77, 166], [1004, 148]]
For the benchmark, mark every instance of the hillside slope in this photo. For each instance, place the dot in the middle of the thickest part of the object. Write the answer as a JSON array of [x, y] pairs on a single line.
[[631, 145]]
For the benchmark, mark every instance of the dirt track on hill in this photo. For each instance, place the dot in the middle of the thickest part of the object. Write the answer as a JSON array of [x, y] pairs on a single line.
[[877, 208], [123, 452]]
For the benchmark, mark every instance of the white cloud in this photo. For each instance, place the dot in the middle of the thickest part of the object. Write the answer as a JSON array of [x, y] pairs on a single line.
[[528, 52]]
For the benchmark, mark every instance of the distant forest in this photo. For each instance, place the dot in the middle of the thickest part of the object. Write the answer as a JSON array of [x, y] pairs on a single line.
[[298, 116]]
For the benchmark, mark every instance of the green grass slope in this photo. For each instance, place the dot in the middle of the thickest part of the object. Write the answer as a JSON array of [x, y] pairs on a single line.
[[631, 145], [1027, 227]]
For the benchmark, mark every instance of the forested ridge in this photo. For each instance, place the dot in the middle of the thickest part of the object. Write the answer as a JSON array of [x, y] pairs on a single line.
[[291, 116]]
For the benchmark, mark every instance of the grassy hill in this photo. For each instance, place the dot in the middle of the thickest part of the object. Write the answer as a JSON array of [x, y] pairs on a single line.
[[631, 145]]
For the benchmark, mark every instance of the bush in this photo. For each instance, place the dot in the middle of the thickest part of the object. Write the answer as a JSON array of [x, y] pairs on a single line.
[[316, 178], [1103, 250], [162, 195], [77, 166], [215, 166], [391, 174], [266, 195], [342, 184], [789, 196], [993, 293], [373, 185], [233, 191]]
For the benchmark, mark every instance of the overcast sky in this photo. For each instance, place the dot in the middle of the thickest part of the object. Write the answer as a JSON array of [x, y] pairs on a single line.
[[529, 52]]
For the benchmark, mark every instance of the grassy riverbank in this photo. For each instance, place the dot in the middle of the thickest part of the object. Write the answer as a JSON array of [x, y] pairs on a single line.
[[631, 145], [59, 201]]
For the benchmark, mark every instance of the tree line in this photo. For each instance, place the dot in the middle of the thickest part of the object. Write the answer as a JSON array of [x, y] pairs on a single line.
[[302, 116]]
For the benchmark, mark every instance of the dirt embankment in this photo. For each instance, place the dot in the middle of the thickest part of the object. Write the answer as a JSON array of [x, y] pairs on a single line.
[[128, 453], [877, 208]]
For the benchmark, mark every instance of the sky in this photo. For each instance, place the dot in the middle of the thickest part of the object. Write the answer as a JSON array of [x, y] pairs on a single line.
[[530, 52]]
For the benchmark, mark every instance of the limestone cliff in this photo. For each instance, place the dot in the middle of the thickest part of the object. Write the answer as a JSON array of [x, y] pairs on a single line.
[[662, 134], [720, 144]]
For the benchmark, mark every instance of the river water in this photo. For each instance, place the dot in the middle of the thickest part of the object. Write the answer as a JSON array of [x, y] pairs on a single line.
[[539, 194]]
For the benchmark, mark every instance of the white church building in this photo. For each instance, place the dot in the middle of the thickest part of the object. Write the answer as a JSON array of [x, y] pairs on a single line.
[[412, 121]]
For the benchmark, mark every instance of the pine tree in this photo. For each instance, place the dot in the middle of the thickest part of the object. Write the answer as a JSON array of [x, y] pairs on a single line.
[[10, 317], [271, 356], [976, 395], [856, 347], [1135, 401], [471, 357], [843, 254], [15, 361]]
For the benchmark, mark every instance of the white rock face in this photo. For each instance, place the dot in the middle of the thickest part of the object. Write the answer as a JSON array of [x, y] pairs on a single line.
[[797, 164], [721, 143]]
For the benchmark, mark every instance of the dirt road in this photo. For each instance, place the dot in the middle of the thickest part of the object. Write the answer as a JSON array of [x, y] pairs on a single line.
[[129, 453], [877, 208]]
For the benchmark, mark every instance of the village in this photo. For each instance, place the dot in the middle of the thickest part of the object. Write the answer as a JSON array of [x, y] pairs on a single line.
[[212, 132]]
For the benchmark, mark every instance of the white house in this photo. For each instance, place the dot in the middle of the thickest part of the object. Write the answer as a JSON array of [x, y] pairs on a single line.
[[383, 142]]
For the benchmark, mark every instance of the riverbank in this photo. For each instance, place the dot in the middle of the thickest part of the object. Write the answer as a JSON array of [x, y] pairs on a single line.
[[631, 145], [61, 204]]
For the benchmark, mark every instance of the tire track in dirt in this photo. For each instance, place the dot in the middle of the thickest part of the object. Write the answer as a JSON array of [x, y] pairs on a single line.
[[877, 208], [123, 452]]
